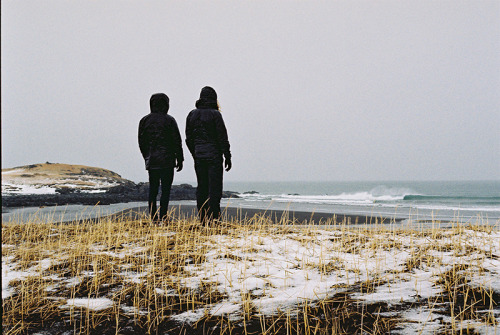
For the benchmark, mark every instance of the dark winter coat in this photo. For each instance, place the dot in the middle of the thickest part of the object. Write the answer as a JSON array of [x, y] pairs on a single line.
[[159, 138], [206, 134]]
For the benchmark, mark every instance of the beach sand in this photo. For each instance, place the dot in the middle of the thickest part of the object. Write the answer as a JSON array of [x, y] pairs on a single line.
[[239, 214]]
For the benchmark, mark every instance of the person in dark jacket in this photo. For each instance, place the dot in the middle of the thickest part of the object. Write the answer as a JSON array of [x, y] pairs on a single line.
[[206, 139], [161, 146]]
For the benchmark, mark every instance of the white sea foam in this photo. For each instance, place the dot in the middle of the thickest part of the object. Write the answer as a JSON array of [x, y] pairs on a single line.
[[343, 198], [447, 207], [379, 193]]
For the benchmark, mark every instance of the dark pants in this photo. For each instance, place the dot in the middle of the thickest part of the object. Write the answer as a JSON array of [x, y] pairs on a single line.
[[209, 190], [166, 176]]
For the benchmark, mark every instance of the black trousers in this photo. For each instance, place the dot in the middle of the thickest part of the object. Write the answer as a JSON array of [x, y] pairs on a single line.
[[166, 177], [209, 190]]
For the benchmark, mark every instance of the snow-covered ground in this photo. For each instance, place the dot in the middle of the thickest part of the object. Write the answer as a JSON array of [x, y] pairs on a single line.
[[278, 272]]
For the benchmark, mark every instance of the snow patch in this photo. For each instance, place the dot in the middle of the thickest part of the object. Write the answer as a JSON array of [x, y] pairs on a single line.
[[96, 304]]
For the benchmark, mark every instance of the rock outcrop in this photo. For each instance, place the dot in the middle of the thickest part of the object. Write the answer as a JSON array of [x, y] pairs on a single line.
[[117, 194], [76, 184]]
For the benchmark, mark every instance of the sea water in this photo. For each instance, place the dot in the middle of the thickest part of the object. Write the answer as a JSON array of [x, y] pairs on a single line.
[[64, 213], [443, 201], [459, 201]]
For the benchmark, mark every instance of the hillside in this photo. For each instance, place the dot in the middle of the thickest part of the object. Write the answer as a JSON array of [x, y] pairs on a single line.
[[51, 178], [54, 184]]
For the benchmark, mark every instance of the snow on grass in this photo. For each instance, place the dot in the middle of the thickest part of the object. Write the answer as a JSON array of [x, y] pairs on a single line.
[[12, 172], [128, 251], [280, 272], [94, 186], [270, 272], [95, 304], [419, 321], [189, 317], [8, 188], [131, 310], [10, 273], [408, 289]]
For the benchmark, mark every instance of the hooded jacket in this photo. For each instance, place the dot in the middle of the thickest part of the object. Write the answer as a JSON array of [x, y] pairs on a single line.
[[159, 138], [206, 134]]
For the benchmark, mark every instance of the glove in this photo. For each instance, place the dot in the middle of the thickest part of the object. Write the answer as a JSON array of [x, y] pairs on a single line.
[[227, 164], [178, 165]]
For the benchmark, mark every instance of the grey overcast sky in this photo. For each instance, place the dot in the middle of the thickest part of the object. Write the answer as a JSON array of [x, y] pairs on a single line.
[[309, 90]]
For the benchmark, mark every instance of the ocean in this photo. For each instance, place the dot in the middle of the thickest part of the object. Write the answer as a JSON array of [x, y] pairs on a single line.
[[462, 201], [444, 201]]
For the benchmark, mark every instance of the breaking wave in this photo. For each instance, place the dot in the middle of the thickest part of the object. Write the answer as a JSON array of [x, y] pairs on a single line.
[[382, 196], [378, 194]]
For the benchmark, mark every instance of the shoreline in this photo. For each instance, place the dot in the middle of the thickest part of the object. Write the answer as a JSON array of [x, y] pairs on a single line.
[[236, 213], [275, 215]]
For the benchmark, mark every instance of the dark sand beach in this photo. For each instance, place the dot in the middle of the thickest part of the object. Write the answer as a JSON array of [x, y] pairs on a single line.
[[239, 214]]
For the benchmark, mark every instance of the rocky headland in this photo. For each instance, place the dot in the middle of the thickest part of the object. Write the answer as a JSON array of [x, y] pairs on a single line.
[[51, 184]]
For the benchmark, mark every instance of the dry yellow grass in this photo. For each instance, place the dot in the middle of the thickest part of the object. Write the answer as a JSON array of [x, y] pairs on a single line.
[[251, 277], [58, 169]]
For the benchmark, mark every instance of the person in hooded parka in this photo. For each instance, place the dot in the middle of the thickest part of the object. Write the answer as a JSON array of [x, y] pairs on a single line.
[[207, 140], [161, 146]]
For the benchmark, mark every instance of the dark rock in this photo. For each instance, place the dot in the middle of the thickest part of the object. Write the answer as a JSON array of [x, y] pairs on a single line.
[[120, 189], [183, 192], [67, 190], [117, 194], [230, 194]]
